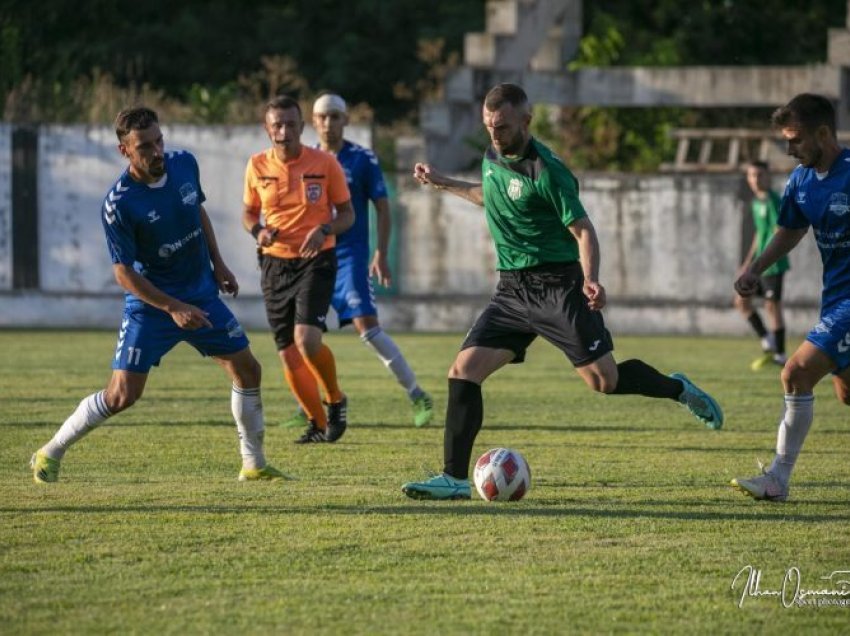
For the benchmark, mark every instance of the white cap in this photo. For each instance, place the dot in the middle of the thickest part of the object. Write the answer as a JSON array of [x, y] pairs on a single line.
[[329, 103]]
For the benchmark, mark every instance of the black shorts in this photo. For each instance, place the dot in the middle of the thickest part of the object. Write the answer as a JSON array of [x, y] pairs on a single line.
[[770, 287], [545, 301], [297, 291]]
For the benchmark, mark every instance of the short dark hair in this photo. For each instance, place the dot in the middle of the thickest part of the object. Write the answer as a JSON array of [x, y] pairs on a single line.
[[758, 163], [136, 118], [502, 94], [283, 102], [807, 110]]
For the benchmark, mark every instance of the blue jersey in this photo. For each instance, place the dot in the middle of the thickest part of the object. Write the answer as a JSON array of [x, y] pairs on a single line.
[[365, 182], [823, 203], [156, 229]]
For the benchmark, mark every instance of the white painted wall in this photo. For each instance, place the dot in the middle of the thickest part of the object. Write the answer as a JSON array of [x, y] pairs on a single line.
[[670, 244]]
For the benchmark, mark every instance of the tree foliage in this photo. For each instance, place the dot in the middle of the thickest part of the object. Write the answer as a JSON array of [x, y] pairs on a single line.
[[217, 60], [206, 52]]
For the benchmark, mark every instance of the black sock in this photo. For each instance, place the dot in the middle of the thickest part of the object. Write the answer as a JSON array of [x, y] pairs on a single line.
[[464, 416], [758, 326], [636, 377], [779, 340]]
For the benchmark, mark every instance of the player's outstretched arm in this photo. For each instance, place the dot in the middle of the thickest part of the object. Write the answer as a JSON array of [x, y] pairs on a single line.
[[186, 316], [223, 276], [468, 190], [783, 241]]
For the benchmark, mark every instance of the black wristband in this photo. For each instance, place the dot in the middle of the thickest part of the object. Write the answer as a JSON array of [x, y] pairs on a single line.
[[256, 229], [326, 229]]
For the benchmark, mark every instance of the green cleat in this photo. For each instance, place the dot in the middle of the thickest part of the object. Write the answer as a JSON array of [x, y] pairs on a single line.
[[701, 405], [299, 420], [423, 410], [438, 487], [266, 473], [44, 469]]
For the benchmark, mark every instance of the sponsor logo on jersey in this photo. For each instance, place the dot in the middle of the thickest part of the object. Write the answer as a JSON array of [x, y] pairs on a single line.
[[188, 194], [314, 192], [801, 198], [167, 249], [514, 189], [844, 343], [839, 204]]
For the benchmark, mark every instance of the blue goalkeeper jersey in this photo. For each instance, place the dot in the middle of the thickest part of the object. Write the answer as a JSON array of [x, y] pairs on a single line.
[[824, 203], [156, 229], [365, 182]]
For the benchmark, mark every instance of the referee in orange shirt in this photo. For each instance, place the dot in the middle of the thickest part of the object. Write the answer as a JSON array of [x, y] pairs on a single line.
[[296, 189]]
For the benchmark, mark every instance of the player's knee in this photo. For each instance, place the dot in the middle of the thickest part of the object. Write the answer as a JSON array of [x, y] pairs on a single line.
[[601, 383], [795, 378]]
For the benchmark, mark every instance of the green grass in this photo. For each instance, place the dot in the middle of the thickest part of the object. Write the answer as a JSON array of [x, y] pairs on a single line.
[[630, 525]]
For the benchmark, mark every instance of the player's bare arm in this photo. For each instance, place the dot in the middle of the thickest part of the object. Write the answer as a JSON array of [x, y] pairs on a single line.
[[184, 315], [314, 240], [468, 190], [223, 276], [588, 251], [379, 267], [783, 241]]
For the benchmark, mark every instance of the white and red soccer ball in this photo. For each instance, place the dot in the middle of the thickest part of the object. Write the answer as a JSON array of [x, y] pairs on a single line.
[[502, 474]]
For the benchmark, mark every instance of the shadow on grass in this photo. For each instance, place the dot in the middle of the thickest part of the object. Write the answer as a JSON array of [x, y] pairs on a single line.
[[749, 511]]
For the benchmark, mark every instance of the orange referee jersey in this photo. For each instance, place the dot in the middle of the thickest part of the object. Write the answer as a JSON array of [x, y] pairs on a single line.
[[295, 196]]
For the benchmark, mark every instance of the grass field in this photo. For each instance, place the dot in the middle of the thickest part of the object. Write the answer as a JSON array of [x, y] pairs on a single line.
[[630, 525]]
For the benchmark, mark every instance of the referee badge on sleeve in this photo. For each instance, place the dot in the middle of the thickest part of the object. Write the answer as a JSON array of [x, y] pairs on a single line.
[[314, 192]]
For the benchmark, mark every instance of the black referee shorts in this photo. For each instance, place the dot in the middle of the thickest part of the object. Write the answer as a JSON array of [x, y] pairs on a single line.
[[546, 301], [297, 291]]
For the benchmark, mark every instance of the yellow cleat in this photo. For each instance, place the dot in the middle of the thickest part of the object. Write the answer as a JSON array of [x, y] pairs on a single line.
[[266, 473], [762, 361], [44, 469]]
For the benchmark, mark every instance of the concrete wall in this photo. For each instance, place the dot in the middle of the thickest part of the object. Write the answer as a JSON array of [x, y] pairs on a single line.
[[5, 207], [670, 244]]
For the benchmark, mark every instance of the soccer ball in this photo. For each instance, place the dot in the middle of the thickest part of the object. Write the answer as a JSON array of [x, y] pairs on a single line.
[[502, 474]]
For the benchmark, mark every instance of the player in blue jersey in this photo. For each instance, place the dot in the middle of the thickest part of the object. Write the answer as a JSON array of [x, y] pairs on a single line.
[[354, 297], [817, 195], [166, 258]]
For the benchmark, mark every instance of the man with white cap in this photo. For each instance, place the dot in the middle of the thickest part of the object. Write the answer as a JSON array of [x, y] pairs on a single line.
[[354, 298]]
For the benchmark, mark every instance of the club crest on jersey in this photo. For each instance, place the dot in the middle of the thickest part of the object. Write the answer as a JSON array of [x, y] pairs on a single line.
[[188, 194], [514, 189], [839, 204], [314, 192]]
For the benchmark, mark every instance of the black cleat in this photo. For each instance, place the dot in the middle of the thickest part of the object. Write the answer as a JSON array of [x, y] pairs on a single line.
[[337, 420], [312, 435]]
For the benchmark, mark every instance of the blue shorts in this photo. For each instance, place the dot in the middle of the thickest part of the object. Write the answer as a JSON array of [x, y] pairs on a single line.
[[147, 334], [354, 295], [832, 335]]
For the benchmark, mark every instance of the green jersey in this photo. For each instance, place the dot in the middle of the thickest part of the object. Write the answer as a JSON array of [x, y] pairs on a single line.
[[528, 203], [765, 214]]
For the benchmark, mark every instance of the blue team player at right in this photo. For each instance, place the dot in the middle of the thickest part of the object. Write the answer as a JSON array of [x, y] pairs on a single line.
[[817, 195], [354, 297]]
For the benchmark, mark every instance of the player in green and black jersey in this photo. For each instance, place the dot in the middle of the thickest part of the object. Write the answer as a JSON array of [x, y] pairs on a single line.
[[548, 261], [765, 210]]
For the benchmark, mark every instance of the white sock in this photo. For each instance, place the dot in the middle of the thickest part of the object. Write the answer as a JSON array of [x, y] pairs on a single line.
[[391, 356], [90, 413], [247, 408], [795, 424]]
